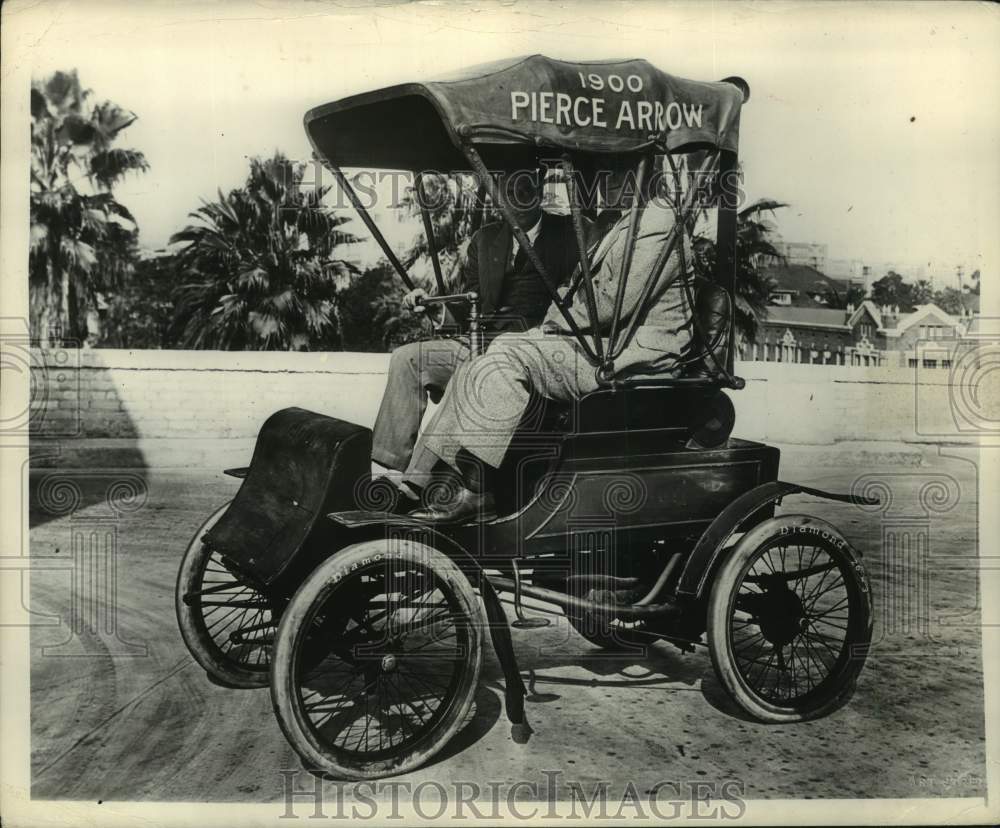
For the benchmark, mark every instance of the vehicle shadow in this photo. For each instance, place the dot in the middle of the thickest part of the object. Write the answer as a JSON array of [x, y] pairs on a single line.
[[486, 711], [652, 667], [83, 441], [481, 719], [106, 493], [717, 697]]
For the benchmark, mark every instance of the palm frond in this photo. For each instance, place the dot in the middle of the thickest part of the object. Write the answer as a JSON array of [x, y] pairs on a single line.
[[109, 166]]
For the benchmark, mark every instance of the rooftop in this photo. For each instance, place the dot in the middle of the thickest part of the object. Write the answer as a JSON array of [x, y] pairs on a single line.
[[804, 279], [806, 316]]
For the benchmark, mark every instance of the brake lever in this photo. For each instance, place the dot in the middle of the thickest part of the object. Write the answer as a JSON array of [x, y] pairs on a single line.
[[470, 297]]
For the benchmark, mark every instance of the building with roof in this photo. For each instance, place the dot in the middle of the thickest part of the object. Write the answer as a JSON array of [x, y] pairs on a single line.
[[866, 335], [803, 286]]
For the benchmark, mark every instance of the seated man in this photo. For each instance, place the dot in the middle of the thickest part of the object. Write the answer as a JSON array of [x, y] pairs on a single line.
[[488, 396], [512, 297]]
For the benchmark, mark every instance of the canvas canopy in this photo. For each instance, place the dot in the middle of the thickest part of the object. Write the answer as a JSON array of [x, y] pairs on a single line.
[[536, 103]]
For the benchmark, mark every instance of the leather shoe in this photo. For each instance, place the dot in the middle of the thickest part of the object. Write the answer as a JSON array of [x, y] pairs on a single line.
[[466, 506]]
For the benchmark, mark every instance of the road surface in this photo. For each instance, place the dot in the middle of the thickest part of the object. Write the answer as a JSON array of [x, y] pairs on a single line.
[[127, 715]]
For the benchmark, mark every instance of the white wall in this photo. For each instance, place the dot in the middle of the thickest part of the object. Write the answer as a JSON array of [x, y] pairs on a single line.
[[191, 408]]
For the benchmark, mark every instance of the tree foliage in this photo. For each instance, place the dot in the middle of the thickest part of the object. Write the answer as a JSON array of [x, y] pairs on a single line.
[[260, 267], [852, 297], [894, 291], [453, 207], [371, 313], [950, 301], [139, 314], [82, 240]]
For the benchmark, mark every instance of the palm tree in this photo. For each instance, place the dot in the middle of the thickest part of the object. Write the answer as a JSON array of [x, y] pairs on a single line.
[[82, 239], [260, 266], [453, 206]]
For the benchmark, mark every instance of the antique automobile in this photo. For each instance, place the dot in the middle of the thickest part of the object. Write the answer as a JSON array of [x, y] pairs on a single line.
[[633, 513]]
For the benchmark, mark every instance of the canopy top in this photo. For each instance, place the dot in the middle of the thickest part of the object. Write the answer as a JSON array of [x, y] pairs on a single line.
[[530, 105]]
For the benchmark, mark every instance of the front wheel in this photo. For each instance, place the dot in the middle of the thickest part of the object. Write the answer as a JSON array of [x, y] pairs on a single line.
[[790, 620], [399, 629]]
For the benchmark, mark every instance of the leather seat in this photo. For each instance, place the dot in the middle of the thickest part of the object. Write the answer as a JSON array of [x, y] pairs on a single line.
[[709, 334]]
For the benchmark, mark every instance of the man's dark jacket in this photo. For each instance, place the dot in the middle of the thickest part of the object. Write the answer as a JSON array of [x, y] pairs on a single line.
[[516, 299]]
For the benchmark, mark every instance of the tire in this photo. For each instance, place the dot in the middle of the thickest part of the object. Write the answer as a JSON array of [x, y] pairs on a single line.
[[817, 607], [368, 676], [209, 621]]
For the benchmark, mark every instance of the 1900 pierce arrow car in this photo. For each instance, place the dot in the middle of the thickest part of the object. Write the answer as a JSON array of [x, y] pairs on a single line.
[[634, 511]]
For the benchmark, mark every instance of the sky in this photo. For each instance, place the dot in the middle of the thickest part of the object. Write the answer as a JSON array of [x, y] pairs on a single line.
[[877, 124]]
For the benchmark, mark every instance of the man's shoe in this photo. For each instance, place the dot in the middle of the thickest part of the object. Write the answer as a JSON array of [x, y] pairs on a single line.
[[466, 506]]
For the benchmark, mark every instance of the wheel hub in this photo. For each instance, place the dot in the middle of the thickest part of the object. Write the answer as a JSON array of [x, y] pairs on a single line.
[[780, 614]]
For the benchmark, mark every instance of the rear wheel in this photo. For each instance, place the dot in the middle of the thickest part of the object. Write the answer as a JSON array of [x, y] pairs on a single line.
[[789, 620], [227, 624], [399, 626]]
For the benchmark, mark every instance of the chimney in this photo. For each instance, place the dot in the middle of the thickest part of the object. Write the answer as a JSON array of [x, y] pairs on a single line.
[[850, 308]]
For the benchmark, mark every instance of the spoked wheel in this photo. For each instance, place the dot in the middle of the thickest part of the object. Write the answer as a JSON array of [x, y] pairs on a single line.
[[400, 628], [790, 620], [227, 624]]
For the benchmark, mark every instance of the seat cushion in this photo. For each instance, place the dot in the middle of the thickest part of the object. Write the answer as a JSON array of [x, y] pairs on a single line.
[[713, 312]]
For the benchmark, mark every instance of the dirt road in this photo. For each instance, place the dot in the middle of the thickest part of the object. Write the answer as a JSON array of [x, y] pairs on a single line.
[[127, 715]]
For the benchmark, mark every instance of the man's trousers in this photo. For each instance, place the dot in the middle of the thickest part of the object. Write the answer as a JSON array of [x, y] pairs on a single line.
[[417, 370], [487, 397]]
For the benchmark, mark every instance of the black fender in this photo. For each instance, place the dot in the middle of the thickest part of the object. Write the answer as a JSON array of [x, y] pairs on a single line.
[[747, 510], [503, 645]]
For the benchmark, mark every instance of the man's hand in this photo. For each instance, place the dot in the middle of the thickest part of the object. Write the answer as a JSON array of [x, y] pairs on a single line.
[[412, 300]]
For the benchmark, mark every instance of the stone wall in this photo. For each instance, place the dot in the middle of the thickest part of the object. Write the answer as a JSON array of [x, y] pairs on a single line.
[[174, 409]]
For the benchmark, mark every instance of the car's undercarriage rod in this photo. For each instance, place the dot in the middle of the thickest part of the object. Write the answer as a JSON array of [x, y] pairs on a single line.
[[572, 602]]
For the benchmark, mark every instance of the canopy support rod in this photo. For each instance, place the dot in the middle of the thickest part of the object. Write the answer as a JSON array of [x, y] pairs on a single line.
[[480, 209], [581, 244], [647, 291], [487, 181], [345, 185], [725, 245], [680, 218], [425, 214], [709, 349], [633, 226]]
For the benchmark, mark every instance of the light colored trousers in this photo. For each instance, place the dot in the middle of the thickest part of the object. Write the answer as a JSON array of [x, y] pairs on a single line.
[[417, 370], [487, 397]]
